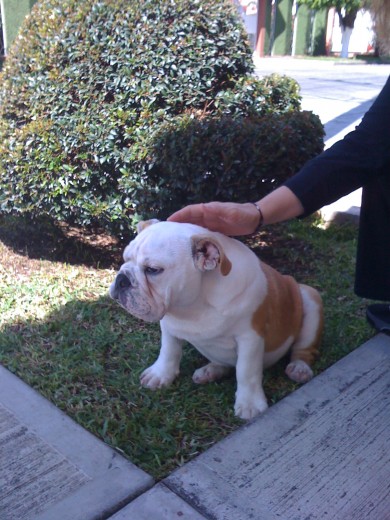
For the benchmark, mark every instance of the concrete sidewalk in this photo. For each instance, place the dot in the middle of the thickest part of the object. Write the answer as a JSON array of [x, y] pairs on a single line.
[[51, 468]]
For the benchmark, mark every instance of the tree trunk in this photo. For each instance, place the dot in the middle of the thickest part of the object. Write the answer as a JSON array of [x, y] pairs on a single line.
[[347, 23], [345, 37]]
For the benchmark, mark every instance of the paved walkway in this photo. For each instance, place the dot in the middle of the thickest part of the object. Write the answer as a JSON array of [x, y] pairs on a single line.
[[322, 452]]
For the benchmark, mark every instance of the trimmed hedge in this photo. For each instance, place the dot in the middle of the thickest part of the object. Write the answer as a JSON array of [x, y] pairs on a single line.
[[89, 89], [226, 159]]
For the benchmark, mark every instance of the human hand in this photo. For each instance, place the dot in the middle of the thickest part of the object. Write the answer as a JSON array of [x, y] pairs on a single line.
[[229, 218]]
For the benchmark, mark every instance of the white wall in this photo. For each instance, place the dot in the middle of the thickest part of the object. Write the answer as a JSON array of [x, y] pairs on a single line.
[[362, 38]]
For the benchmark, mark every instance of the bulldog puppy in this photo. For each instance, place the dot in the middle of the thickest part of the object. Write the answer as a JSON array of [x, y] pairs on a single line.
[[213, 292]]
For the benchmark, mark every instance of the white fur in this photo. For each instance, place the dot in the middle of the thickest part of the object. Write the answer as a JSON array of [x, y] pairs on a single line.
[[197, 303]]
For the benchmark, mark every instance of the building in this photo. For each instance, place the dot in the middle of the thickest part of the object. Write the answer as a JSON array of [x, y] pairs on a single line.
[[283, 27], [13, 13]]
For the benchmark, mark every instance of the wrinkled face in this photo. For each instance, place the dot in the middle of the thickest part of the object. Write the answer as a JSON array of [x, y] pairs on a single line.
[[158, 273]]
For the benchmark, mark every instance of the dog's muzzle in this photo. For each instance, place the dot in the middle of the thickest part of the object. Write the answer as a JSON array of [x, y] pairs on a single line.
[[122, 283]]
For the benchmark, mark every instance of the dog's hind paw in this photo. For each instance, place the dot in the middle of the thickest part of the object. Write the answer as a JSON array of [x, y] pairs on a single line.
[[209, 373], [299, 371]]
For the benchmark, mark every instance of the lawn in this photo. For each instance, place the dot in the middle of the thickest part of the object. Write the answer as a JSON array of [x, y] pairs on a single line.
[[60, 332]]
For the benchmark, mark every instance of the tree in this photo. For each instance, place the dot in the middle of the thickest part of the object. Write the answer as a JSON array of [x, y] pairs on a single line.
[[346, 10], [380, 11]]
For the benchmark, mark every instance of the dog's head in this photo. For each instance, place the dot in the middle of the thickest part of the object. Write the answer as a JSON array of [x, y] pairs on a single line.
[[164, 266]]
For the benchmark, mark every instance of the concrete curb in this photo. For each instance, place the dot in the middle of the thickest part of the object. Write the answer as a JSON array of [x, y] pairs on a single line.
[[51, 467]]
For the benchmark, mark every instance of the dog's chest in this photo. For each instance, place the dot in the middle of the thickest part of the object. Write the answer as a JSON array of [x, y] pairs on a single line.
[[219, 349], [215, 339]]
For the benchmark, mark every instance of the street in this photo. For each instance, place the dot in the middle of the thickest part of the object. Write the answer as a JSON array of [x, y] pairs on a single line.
[[338, 92]]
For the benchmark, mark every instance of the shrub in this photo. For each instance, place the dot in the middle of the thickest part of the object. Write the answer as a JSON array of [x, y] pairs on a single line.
[[88, 85], [253, 97], [226, 159]]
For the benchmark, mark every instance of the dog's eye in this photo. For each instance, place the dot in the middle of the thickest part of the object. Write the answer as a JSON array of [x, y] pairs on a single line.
[[153, 270]]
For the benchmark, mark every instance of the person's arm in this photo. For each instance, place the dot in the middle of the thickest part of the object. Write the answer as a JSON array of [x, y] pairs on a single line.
[[280, 205], [347, 165], [242, 219], [350, 163]]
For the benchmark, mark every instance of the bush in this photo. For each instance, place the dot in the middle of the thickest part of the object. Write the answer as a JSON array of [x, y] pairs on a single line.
[[250, 96], [226, 159], [88, 87]]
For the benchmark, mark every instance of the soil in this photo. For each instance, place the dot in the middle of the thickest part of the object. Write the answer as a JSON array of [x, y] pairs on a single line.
[[27, 242], [30, 241]]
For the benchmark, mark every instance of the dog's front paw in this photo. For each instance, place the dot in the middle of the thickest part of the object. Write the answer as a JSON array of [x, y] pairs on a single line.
[[250, 407], [157, 376], [299, 371]]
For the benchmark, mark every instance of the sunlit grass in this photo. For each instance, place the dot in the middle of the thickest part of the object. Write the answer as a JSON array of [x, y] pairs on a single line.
[[61, 333]]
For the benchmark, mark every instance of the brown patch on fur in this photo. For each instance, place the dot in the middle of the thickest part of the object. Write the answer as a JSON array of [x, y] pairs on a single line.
[[280, 315], [311, 352], [226, 265], [143, 224]]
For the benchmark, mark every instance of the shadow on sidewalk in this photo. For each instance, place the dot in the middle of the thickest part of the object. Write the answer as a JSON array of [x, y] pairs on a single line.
[[343, 121]]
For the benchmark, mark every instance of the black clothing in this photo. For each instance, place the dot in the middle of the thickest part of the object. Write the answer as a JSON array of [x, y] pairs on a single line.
[[362, 158], [378, 315]]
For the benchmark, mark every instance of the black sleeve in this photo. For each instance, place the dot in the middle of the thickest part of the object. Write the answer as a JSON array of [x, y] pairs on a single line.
[[349, 163]]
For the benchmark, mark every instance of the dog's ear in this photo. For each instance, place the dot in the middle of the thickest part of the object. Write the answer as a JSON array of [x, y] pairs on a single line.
[[208, 254], [143, 224]]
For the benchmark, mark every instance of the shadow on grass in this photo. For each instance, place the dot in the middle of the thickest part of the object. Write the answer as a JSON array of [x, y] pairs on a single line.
[[86, 357], [48, 240]]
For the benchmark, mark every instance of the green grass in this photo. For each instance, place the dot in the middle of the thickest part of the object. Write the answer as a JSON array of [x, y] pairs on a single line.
[[61, 333]]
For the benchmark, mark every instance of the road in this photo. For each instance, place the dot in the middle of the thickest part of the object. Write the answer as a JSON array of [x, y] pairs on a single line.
[[339, 93]]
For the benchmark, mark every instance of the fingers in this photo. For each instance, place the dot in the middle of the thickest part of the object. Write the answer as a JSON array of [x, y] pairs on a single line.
[[211, 215], [226, 217], [194, 214]]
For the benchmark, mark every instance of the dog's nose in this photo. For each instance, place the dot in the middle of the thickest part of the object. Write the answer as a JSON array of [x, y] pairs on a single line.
[[122, 282]]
